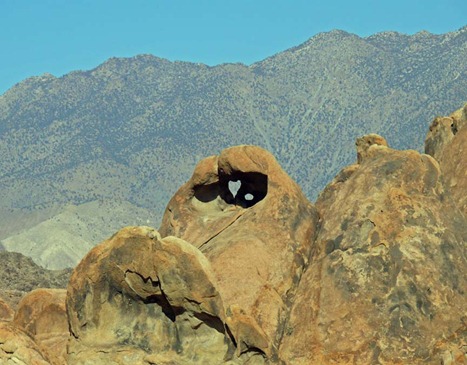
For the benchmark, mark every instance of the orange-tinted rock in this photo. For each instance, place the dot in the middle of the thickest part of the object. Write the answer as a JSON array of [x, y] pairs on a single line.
[[6, 313], [386, 283], [257, 239], [137, 298], [16, 347], [447, 143], [42, 314], [364, 143]]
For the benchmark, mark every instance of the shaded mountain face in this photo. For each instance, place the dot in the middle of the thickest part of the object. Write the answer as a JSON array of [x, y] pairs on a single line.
[[131, 130]]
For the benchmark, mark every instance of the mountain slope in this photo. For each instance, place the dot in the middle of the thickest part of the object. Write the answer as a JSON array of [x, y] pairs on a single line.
[[132, 129]]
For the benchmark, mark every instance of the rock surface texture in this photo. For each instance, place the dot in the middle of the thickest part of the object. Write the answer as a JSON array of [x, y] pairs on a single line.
[[42, 314], [244, 270], [386, 282], [141, 299], [256, 228], [447, 143], [16, 347]]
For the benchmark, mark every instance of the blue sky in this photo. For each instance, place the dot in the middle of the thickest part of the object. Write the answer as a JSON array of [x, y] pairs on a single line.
[[57, 36]]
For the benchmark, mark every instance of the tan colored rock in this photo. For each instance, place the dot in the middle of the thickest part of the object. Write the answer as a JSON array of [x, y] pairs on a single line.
[[257, 239], [447, 143], [386, 283], [140, 299], [16, 347], [442, 132], [364, 143], [6, 313], [42, 314]]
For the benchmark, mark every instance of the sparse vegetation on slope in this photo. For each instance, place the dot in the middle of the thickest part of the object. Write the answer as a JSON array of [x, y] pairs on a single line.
[[132, 129]]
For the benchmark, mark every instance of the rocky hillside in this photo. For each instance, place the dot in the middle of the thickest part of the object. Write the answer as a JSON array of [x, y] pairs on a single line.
[[19, 275], [131, 130], [245, 270]]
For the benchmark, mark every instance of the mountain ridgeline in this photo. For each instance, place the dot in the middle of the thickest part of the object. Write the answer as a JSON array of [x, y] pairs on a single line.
[[129, 132]]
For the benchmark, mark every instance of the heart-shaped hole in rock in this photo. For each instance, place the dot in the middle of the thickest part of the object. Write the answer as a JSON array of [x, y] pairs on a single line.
[[234, 187]]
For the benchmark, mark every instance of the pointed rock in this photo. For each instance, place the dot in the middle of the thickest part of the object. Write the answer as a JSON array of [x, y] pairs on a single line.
[[447, 143], [386, 283]]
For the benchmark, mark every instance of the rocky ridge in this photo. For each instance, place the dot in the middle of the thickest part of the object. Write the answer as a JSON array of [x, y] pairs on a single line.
[[20, 275], [245, 270]]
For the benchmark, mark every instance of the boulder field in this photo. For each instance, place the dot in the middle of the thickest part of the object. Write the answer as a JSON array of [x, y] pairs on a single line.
[[245, 270]]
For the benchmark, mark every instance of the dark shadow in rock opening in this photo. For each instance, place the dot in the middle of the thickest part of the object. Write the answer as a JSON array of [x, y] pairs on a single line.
[[207, 193], [161, 300], [211, 321], [253, 188]]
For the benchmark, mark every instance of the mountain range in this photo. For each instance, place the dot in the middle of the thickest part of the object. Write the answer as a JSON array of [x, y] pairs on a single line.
[[91, 151]]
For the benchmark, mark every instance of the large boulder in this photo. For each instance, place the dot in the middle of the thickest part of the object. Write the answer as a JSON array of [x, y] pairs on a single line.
[[386, 283], [140, 299], [42, 314], [447, 143], [16, 347], [256, 228]]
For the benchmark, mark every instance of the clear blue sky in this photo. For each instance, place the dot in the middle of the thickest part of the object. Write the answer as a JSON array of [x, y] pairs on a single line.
[[38, 36]]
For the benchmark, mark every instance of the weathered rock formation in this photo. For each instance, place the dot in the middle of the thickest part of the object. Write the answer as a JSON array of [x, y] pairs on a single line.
[[447, 143], [42, 314], [141, 299], [244, 270], [257, 239], [220, 292], [16, 347], [386, 282]]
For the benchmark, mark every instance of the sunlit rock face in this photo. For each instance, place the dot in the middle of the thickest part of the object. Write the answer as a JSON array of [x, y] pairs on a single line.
[[245, 270], [145, 300], [42, 314], [447, 143], [17, 347], [386, 283], [214, 286], [256, 228]]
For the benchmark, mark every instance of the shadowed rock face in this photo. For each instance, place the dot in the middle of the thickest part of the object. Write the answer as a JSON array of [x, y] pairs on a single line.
[[386, 283], [257, 248]]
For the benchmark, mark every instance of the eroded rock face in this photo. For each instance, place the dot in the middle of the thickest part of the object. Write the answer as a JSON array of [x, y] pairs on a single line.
[[386, 283], [140, 299], [256, 228], [245, 270], [42, 314], [447, 143], [16, 347]]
